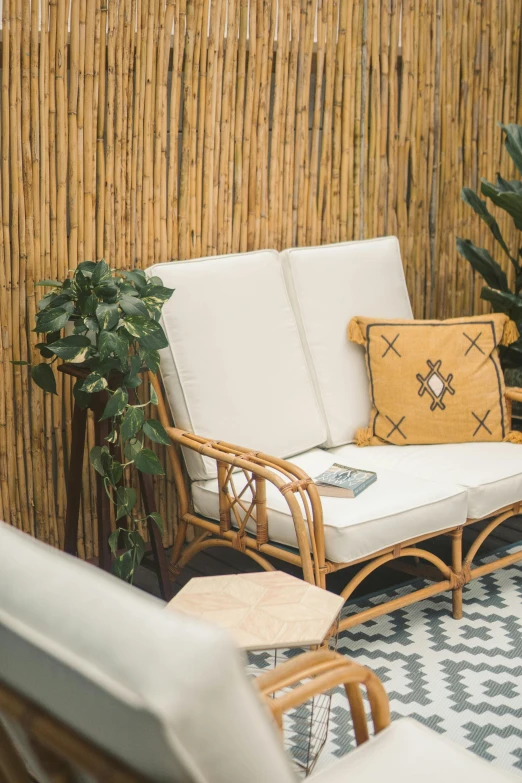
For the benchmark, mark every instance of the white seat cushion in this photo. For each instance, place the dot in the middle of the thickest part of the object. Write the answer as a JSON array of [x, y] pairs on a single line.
[[408, 752], [235, 368], [394, 509], [490, 472], [328, 285]]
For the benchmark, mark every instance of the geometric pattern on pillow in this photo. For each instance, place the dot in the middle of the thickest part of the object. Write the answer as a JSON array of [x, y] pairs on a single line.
[[433, 381]]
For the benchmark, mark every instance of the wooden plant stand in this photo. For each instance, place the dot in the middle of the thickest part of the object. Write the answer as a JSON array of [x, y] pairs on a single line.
[[74, 489]]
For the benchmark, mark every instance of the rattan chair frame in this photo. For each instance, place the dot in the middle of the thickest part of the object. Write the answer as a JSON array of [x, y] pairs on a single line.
[[63, 752], [308, 523]]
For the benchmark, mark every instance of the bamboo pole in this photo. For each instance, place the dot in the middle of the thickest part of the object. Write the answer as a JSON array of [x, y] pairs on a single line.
[[356, 119]]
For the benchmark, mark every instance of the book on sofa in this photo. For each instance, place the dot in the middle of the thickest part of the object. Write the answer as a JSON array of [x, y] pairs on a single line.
[[341, 481]]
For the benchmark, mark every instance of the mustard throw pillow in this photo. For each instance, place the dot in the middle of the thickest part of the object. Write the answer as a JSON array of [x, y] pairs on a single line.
[[434, 381]]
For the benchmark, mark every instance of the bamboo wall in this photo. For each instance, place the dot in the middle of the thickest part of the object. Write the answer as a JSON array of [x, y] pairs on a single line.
[[138, 131]]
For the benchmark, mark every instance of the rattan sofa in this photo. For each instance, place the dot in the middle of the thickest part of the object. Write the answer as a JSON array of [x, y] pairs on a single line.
[[258, 356], [99, 683]]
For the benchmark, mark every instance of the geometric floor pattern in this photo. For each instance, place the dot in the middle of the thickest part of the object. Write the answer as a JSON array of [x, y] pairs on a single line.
[[461, 678]]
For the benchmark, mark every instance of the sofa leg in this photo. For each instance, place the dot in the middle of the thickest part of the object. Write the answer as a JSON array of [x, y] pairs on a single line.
[[456, 565]]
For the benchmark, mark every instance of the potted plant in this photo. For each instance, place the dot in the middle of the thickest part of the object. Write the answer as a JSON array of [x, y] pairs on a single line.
[[507, 195], [108, 322]]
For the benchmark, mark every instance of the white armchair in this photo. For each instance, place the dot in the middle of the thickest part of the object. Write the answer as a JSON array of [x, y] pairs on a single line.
[[96, 679]]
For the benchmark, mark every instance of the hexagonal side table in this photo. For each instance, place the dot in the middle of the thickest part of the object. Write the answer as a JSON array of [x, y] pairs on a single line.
[[270, 614]]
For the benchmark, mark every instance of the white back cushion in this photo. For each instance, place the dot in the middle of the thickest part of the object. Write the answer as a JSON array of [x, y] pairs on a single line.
[[328, 285], [235, 369], [165, 693]]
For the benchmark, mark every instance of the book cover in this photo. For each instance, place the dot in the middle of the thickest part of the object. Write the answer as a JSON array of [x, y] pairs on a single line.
[[343, 481]]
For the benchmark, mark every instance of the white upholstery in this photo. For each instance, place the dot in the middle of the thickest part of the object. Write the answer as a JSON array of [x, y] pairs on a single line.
[[490, 472], [163, 692], [395, 508], [408, 752], [235, 368], [328, 285]]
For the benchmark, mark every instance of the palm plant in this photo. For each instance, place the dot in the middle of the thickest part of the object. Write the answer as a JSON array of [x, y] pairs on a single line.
[[507, 195]]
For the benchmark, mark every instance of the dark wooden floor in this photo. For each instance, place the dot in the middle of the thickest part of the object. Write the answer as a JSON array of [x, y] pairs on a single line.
[[228, 561]]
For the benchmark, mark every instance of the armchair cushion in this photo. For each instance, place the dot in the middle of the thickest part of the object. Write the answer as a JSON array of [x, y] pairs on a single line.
[[163, 692], [235, 368], [408, 752], [433, 381], [328, 285], [397, 507], [491, 473]]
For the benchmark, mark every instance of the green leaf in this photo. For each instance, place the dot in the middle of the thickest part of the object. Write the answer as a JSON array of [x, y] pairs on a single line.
[[95, 458], [111, 343], [130, 379], [88, 304], [131, 448], [479, 207], [75, 349], [148, 332], [87, 267], [104, 367], [46, 302], [44, 350], [94, 383], [49, 283], [483, 263], [81, 284], [100, 273], [131, 305], [150, 359], [112, 469], [513, 142], [79, 327], [504, 302], [136, 276], [112, 437], [138, 545], [92, 324], [508, 185], [82, 398], [106, 291], [157, 519], [147, 462], [116, 404], [113, 540], [153, 395], [132, 423], [155, 296], [123, 566], [108, 315], [509, 201], [155, 430], [20, 363], [51, 320], [155, 280], [126, 500], [43, 376]]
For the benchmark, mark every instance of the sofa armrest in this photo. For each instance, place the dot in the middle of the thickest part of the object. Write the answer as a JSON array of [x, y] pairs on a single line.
[[313, 673], [294, 484]]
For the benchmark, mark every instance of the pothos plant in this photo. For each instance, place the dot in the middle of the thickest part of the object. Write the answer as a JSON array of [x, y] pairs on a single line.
[[111, 323]]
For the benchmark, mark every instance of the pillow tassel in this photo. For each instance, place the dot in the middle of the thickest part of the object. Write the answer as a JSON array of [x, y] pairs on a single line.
[[513, 437], [511, 333], [363, 436], [354, 332]]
